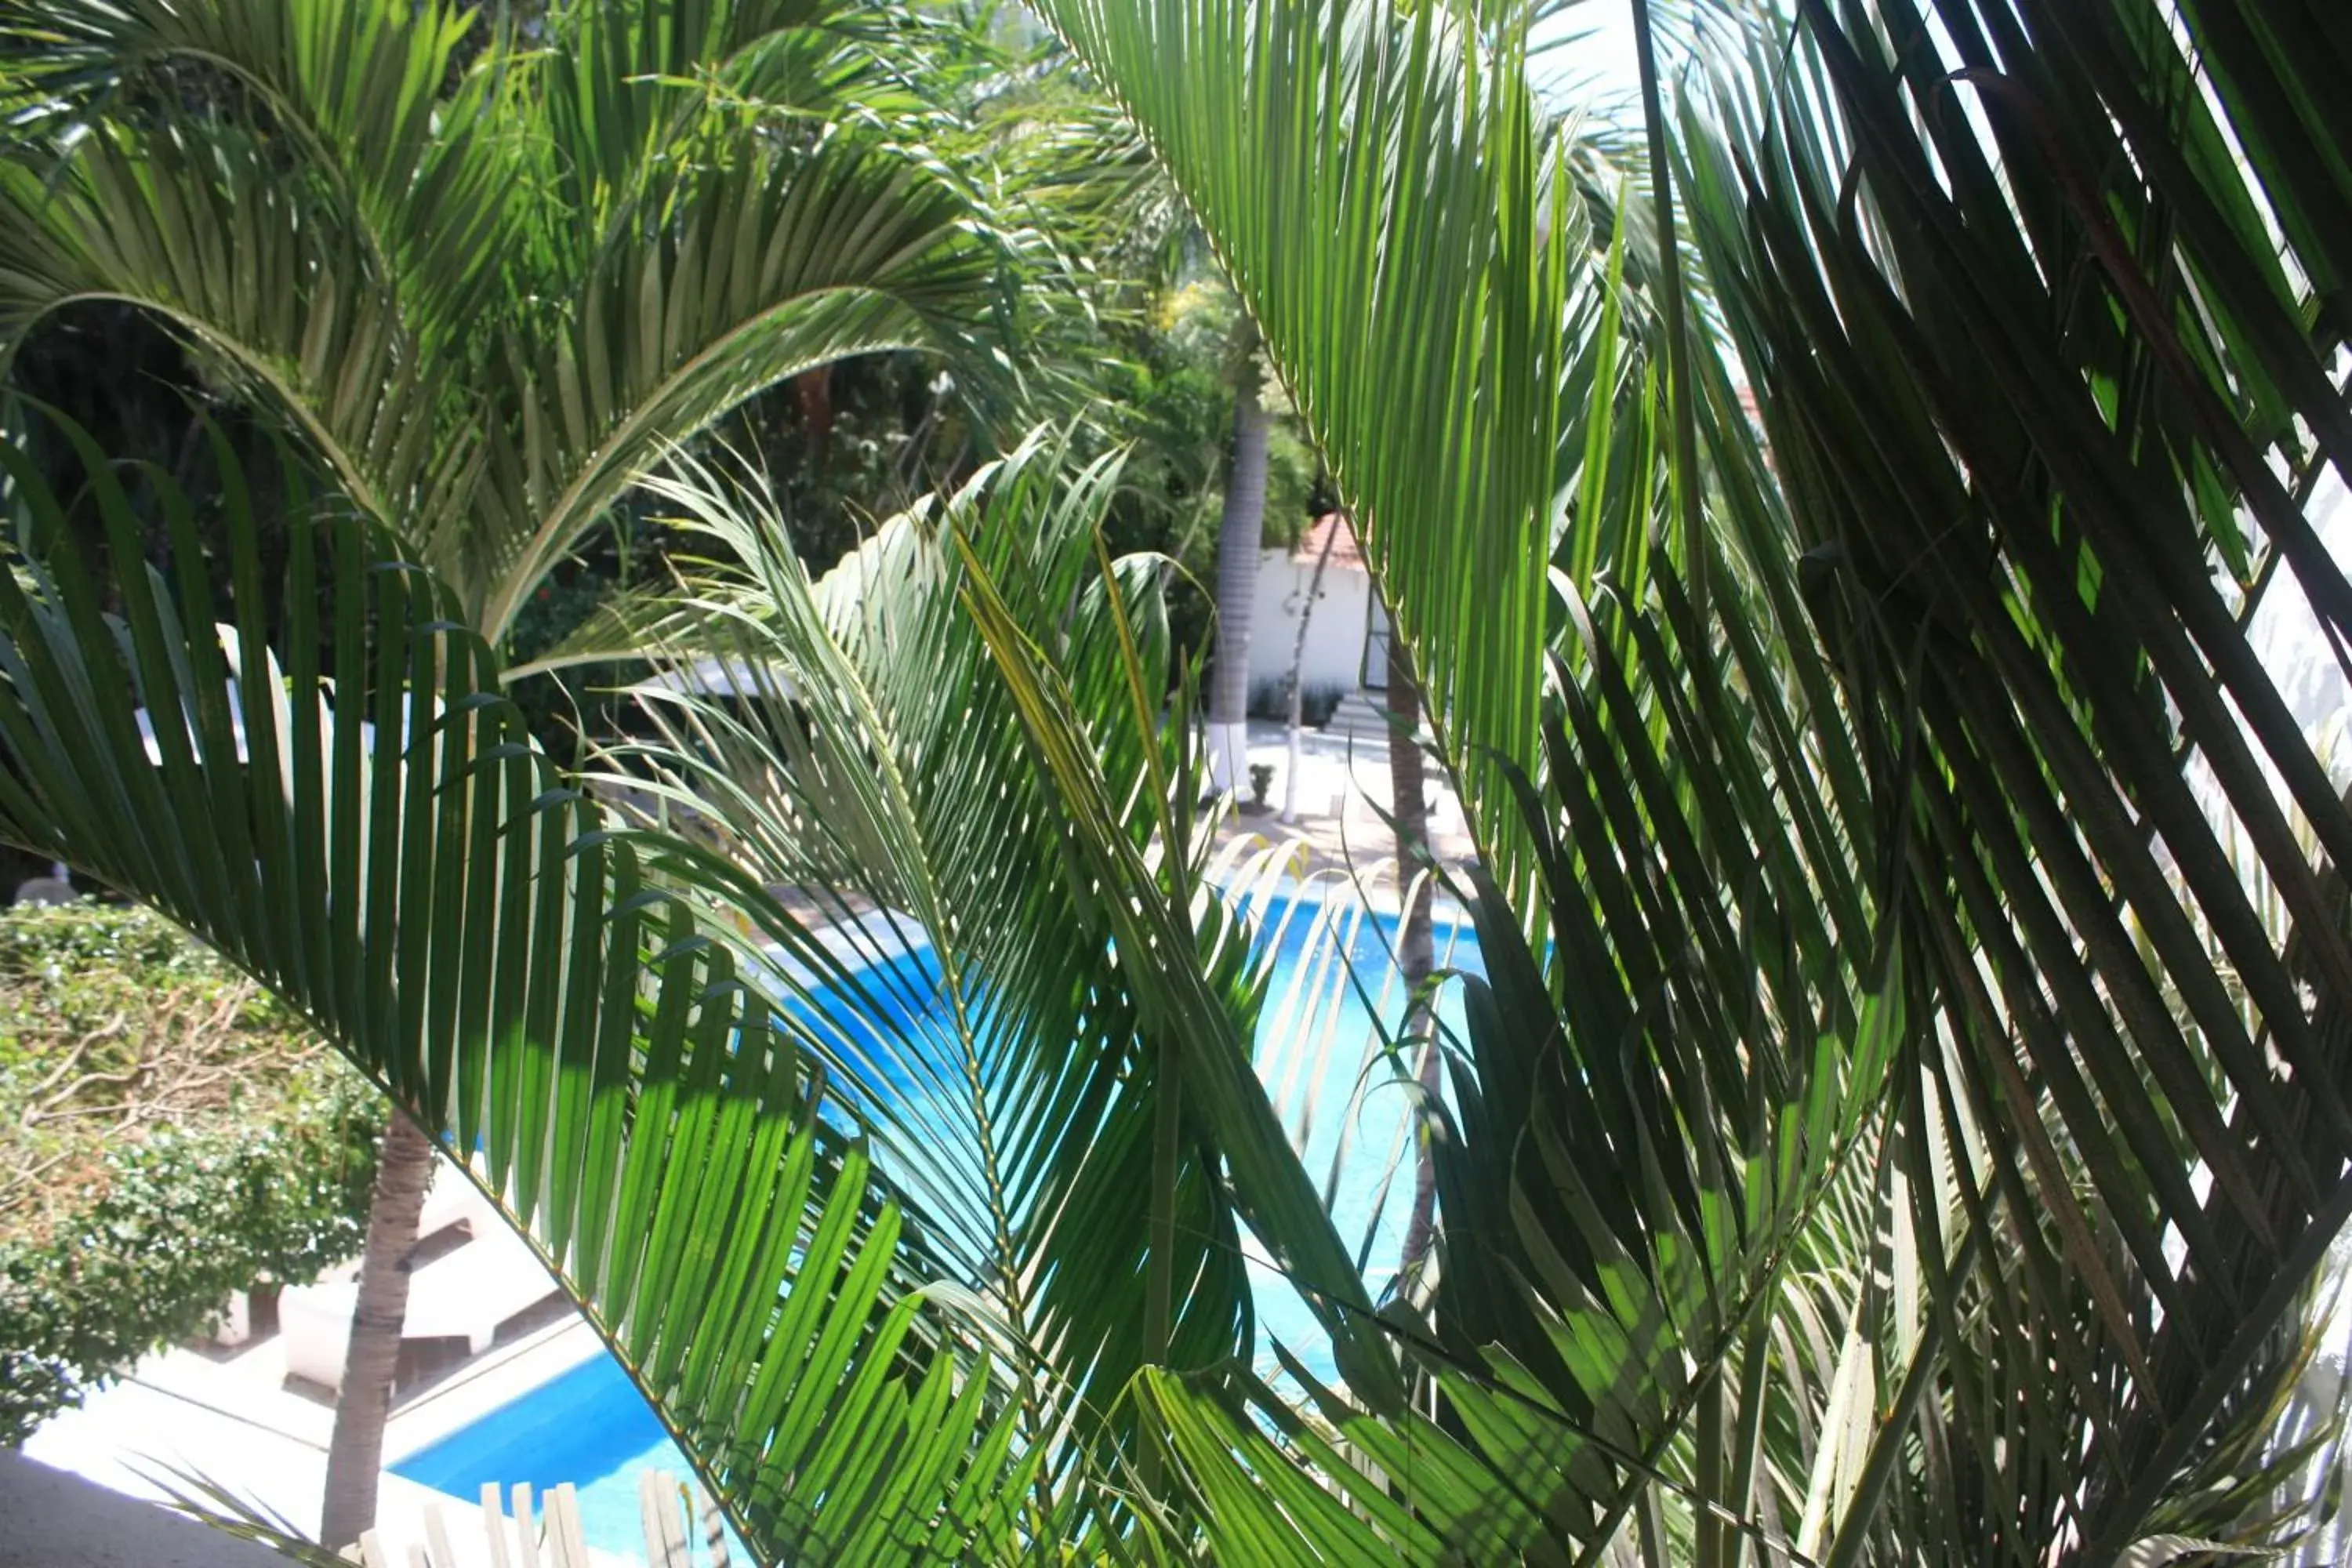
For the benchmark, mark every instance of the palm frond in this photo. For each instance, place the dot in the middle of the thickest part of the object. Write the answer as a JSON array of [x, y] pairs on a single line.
[[753, 267], [1909, 770], [398, 261], [212, 236], [2032, 371], [344, 804], [877, 758], [1380, 187], [428, 180]]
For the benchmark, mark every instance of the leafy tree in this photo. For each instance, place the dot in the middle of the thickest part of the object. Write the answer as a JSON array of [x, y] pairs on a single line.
[[169, 1135]]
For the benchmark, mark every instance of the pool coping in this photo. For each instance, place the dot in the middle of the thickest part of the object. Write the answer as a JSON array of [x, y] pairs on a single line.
[[481, 1386]]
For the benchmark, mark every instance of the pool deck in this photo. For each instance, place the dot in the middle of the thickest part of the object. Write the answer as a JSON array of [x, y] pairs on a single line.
[[1343, 787], [232, 1419]]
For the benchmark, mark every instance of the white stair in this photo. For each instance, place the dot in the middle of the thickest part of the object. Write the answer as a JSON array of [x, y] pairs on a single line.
[[1362, 717]]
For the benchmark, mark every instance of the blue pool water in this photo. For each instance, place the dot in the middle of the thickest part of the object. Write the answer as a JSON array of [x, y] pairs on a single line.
[[1330, 1074], [1321, 1058], [588, 1428]]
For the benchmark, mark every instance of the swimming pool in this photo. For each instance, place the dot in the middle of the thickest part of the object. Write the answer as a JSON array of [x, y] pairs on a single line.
[[588, 1428], [1319, 1055]]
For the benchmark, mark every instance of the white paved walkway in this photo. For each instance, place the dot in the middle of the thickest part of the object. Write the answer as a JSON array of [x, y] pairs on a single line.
[[230, 1418], [233, 1421]]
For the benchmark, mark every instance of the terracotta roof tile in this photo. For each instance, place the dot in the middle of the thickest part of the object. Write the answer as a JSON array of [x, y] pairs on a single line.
[[1333, 525]]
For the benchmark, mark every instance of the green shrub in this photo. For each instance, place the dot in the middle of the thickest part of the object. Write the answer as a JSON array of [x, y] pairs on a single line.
[[168, 1135]]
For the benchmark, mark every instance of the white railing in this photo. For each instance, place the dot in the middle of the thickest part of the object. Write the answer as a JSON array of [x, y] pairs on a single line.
[[676, 1517]]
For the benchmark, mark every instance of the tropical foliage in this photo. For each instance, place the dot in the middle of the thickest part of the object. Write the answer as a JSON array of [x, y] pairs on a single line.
[[535, 1046], [1901, 1115], [2042, 564], [1901, 740], [486, 271], [487, 281]]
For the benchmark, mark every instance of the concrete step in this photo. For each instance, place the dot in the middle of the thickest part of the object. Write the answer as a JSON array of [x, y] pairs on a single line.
[[1362, 717]]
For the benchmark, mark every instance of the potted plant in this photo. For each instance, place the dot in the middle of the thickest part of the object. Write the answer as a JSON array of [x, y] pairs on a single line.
[[1261, 777]]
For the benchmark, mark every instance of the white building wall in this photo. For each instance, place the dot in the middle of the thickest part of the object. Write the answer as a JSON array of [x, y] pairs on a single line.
[[1335, 635]]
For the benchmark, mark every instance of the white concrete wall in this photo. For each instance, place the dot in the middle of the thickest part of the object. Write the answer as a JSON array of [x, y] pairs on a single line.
[[1335, 635]]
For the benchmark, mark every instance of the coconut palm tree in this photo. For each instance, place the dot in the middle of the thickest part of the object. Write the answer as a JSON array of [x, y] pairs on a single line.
[[486, 271], [1900, 1116], [1241, 531]]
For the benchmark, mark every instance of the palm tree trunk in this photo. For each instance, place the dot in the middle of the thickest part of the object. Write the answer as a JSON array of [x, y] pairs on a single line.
[[1298, 676], [1239, 533], [1417, 953], [355, 1453]]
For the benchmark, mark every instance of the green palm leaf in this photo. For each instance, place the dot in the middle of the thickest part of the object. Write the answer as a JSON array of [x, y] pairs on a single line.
[[346, 807], [1379, 188], [752, 269], [1892, 776], [1902, 1112], [487, 296], [977, 800], [2031, 415]]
